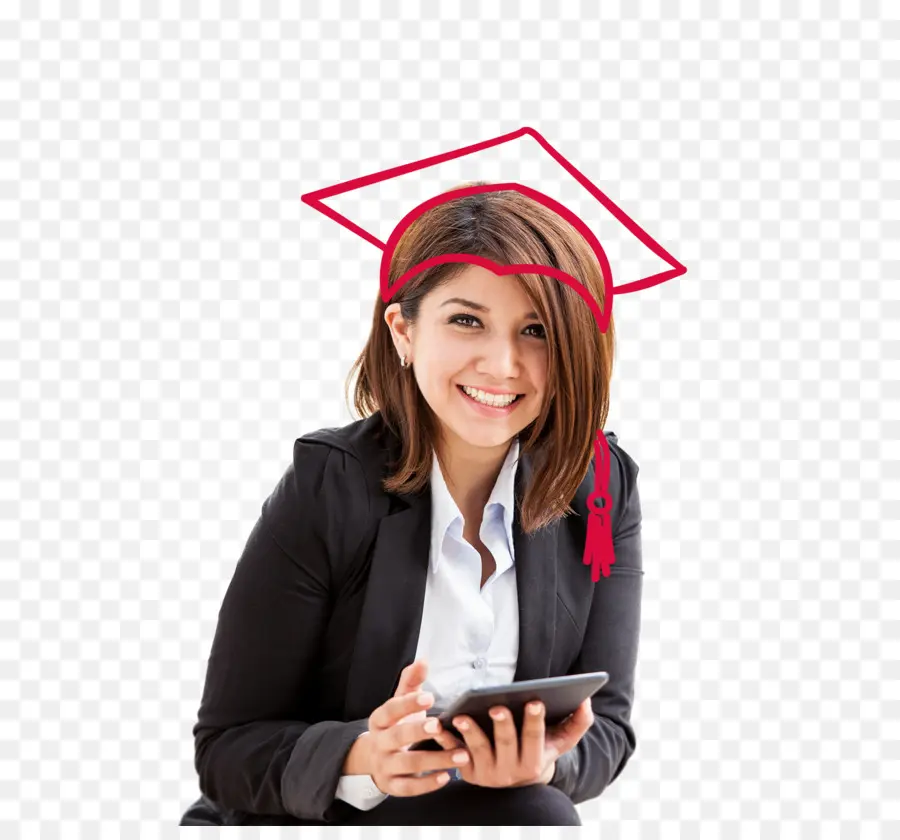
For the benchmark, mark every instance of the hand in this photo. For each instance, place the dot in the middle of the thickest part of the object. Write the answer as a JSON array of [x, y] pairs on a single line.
[[399, 723], [509, 764]]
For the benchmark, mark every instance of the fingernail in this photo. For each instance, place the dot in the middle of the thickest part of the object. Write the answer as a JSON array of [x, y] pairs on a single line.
[[443, 778], [534, 709], [460, 758], [461, 724], [431, 726], [425, 699], [497, 715]]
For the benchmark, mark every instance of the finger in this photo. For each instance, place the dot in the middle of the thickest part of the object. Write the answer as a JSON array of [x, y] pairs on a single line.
[[393, 710], [413, 716], [423, 761], [451, 743], [448, 740], [476, 741], [506, 742], [585, 715], [582, 717], [565, 735], [533, 732], [412, 677], [416, 785], [404, 735]]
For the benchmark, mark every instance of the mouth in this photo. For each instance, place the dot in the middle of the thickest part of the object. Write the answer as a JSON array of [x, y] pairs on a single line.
[[490, 410]]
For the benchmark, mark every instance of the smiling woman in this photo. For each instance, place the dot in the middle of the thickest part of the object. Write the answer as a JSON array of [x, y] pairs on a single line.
[[472, 340], [405, 555]]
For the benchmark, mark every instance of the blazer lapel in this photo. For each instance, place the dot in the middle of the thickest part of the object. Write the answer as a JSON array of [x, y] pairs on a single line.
[[536, 569], [388, 630]]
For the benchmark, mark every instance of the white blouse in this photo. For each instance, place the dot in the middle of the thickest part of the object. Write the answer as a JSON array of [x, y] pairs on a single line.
[[469, 635]]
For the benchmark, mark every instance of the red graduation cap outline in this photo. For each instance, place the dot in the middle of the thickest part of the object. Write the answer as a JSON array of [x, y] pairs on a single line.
[[598, 553]]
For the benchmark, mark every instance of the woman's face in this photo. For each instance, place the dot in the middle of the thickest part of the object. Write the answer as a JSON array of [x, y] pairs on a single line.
[[478, 332]]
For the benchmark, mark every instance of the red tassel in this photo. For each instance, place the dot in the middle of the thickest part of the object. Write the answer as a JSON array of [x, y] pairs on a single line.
[[598, 547]]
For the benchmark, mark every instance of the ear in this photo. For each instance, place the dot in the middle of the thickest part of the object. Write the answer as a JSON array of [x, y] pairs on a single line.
[[400, 329]]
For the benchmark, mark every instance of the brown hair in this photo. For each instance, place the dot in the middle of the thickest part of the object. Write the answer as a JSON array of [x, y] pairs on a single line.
[[507, 227]]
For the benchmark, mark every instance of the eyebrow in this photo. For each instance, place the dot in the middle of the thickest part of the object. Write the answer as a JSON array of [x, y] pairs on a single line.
[[478, 307]]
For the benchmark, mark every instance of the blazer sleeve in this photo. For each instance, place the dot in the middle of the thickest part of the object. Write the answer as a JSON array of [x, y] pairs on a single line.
[[610, 644], [255, 749]]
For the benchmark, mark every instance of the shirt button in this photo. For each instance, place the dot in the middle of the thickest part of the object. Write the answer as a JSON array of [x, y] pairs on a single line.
[[478, 663]]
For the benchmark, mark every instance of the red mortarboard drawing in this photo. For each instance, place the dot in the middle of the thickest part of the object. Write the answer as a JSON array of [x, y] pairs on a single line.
[[598, 552]]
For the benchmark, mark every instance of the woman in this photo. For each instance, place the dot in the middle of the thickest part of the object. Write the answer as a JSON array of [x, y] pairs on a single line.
[[429, 545]]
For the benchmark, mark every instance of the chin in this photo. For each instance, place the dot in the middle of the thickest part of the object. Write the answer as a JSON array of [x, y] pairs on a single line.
[[489, 441], [485, 438]]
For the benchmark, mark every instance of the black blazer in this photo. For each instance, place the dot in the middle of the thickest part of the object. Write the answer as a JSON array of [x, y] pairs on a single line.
[[323, 613]]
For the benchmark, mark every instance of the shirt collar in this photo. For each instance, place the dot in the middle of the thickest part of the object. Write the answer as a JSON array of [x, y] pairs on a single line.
[[446, 517]]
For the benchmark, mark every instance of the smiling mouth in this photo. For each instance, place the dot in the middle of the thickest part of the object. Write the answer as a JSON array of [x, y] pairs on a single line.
[[488, 405]]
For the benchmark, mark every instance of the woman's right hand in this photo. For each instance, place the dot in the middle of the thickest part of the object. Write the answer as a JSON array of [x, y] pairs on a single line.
[[399, 723]]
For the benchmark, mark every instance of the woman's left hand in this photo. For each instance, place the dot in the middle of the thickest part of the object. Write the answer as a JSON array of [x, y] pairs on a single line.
[[506, 764]]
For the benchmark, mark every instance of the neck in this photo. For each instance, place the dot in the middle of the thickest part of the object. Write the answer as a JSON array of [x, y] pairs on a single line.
[[470, 473]]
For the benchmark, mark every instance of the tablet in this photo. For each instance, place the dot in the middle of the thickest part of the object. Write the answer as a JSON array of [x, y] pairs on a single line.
[[561, 697]]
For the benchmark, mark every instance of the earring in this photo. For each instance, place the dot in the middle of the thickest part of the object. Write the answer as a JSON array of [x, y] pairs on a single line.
[[403, 362]]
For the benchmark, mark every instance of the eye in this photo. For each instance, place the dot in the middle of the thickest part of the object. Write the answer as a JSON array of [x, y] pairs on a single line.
[[458, 319], [540, 327]]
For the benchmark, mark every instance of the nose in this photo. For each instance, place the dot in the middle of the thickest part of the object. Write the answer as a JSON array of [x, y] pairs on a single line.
[[502, 359]]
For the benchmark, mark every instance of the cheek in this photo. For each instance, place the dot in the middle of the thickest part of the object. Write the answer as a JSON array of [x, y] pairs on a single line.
[[447, 363], [435, 376], [537, 369]]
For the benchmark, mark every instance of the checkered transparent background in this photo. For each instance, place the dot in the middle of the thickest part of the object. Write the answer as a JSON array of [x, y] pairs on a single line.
[[173, 317]]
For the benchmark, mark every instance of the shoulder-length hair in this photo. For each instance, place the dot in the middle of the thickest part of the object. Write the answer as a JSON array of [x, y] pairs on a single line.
[[509, 228]]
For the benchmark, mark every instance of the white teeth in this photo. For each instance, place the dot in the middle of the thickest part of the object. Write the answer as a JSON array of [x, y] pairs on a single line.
[[489, 399]]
